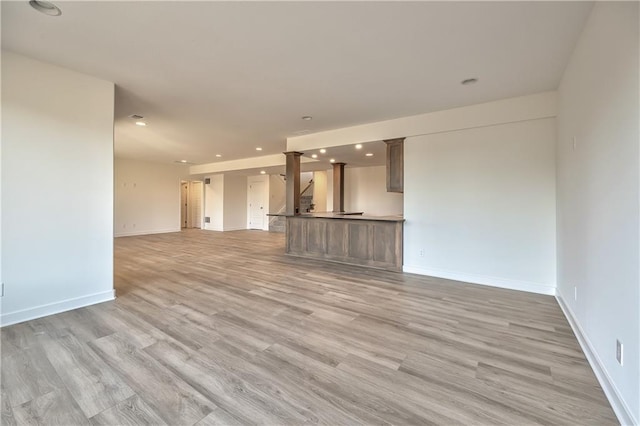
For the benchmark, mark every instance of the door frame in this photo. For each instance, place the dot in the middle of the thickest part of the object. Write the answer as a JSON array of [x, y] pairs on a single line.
[[189, 209], [265, 196]]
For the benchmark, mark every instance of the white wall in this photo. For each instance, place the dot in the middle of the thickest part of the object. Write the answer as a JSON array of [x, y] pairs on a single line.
[[235, 202], [277, 194], [598, 186], [57, 189], [365, 190], [226, 203], [479, 205], [320, 191], [147, 197], [214, 203]]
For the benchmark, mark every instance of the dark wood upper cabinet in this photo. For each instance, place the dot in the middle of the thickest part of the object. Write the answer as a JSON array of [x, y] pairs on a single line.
[[395, 165]]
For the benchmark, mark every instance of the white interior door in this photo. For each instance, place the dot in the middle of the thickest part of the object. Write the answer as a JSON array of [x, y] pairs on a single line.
[[257, 212]]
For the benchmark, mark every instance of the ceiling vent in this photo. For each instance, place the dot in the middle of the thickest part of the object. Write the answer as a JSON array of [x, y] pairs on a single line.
[[136, 117]]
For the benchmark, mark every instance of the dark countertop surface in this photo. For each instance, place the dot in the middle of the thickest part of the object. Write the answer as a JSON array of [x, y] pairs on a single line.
[[345, 216]]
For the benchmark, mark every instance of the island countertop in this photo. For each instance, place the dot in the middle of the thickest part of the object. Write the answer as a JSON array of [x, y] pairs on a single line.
[[345, 216], [352, 216]]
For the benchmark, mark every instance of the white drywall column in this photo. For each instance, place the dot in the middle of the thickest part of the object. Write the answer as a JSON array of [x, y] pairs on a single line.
[[214, 203], [598, 199], [235, 202], [226, 203], [57, 189]]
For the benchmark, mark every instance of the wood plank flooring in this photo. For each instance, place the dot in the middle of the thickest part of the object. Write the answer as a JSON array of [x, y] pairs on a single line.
[[223, 329]]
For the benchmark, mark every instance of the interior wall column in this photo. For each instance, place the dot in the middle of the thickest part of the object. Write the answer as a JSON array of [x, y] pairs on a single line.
[[293, 183], [338, 187]]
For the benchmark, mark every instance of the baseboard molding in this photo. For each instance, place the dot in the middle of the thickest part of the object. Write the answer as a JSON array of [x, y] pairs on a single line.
[[55, 308], [157, 231], [528, 286], [620, 408], [239, 228]]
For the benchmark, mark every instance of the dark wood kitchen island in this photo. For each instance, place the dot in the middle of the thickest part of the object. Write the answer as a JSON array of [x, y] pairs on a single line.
[[373, 241]]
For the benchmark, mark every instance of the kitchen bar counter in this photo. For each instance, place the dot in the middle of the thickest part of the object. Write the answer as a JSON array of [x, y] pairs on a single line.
[[373, 241]]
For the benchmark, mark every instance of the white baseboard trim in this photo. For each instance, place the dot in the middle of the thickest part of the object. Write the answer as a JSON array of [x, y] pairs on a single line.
[[239, 228], [55, 308], [620, 408], [157, 231], [510, 284]]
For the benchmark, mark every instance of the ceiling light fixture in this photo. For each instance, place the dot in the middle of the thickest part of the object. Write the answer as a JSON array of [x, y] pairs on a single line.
[[183, 161], [307, 118], [333, 160], [141, 123], [322, 151], [468, 81], [136, 117], [359, 146], [45, 7], [369, 154], [218, 155], [258, 149], [262, 172], [314, 155]]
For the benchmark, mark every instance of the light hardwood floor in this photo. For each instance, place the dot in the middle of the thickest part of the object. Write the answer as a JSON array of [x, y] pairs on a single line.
[[224, 329]]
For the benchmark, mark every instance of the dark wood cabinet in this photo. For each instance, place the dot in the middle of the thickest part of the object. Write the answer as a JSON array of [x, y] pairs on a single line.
[[395, 165], [367, 241]]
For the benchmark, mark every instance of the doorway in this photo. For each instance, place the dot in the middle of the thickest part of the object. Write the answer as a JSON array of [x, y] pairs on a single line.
[[191, 204], [257, 213]]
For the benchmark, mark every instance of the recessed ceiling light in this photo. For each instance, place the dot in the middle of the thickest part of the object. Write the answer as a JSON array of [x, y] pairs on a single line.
[[359, 146], [469, 81], [258, 149], [141, 123], [314, 155], [218, 155], [183, 161], [322, 151], [369, 154], [333, 160], [45, 7], [307, 118], [262, 172]]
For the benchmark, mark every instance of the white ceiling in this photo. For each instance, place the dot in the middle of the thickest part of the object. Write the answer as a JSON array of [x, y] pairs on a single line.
[[225, 77]]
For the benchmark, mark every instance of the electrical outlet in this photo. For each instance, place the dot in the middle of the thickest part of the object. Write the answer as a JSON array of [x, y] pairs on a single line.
[[421, 252], [575, 293], [2, 290], [619, 352]]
